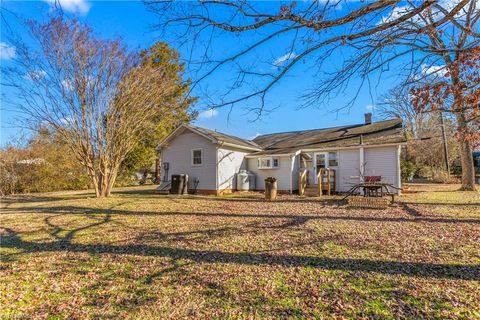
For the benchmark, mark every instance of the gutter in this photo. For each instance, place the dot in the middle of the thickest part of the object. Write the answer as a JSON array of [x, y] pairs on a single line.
[[271, 155], [222, 143], [358, 146]]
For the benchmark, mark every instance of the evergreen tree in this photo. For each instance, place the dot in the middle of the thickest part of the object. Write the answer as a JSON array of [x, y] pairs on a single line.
[[176, 109]]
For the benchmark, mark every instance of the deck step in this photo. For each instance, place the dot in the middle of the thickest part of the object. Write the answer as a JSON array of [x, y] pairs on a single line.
[[311, 191], [163, 188]]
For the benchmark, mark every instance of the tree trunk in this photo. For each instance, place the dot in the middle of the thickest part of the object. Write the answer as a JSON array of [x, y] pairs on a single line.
[[94, 179], [102, 182], [105, 186], [466, 156], [466, 152], [103, 178], [111, 181], [468, 170]]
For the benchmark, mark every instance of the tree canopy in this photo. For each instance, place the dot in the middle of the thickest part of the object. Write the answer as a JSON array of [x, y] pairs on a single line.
[[100, 97], [176, 107]]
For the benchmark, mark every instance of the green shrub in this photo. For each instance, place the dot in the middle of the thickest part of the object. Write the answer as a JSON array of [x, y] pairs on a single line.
[[408, 170]]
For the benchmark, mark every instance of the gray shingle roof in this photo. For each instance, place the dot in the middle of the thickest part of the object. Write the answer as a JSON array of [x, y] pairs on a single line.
[[222, 137], [382, 132]]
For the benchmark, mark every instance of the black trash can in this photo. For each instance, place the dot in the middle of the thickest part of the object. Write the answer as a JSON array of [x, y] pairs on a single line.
[[179, 184]]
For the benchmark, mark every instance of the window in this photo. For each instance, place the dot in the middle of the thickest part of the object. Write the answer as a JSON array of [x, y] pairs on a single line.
[[332, 159], [197, 159], [320, 161], [268, 163], [275, 162], [264, 163]]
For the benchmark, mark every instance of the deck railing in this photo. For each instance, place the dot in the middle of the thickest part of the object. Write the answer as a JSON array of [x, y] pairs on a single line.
[[302, 181], [326, 178]]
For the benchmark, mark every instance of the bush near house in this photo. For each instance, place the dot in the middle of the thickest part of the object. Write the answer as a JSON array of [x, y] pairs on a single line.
[[408, 170], [44, 164]]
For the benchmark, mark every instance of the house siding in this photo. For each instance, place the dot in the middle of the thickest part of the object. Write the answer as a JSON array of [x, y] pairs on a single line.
[[311, 169], [349, 169], [178, 155], [221, 164], [295, 172], [382, 161], [378, 161], [230, 162], [282, 173]]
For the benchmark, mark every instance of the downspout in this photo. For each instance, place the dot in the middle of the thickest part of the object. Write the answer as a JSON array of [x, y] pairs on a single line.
[[162, 174], [362, 164], [362, 160], [399, 172], [292, 165], [216, 167]]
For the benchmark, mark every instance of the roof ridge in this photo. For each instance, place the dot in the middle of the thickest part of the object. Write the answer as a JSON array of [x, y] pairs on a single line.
[[253, 143], [327, 128], [311, 137]]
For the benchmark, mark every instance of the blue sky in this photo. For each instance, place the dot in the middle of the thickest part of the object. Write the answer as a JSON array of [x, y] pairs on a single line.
[[131, 21]]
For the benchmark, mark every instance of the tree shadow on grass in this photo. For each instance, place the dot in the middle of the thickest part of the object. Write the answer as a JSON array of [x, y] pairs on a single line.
[[410, 210], [10, 239], [135, 192], [256, 199], [413, 216], [469, 204], [32, 198]]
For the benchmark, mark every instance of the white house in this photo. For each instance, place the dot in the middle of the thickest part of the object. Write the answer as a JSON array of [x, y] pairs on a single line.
[[212, 159]]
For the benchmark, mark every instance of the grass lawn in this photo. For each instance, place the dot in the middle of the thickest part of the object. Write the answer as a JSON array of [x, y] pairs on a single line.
[[141, 255]]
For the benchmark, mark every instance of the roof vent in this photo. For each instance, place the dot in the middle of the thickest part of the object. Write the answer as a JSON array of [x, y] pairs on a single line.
[[368, 118]]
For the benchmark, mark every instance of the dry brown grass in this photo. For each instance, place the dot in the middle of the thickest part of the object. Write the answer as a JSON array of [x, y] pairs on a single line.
[[137, 254]]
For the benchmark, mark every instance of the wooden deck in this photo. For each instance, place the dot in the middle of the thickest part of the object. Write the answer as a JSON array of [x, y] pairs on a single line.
[[313, 191], [326, 186]]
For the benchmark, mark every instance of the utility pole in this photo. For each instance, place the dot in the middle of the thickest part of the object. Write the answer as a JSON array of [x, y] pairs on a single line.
[[445, 145]]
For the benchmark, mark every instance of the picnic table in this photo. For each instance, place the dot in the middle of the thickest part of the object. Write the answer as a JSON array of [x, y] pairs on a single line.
[[375, 189], [372, 189]]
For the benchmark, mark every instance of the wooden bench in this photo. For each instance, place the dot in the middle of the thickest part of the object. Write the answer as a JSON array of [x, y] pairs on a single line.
[[368, 202]]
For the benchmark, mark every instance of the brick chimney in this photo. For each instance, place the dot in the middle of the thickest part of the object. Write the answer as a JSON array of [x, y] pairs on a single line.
[[368, 118]]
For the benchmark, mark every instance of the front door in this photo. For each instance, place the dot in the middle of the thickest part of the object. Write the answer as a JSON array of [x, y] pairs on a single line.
[[320, 160]]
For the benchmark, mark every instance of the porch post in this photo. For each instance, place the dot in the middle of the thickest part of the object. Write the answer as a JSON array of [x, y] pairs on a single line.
[[157, 170], [362, 166], [399, 172], [292, 166]]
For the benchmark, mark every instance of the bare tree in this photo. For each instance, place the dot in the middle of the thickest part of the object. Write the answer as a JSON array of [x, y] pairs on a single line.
[[443, 70], [315, 30], [93, 92], [367, 39], [431, 144], [397, 103], [452, 54]]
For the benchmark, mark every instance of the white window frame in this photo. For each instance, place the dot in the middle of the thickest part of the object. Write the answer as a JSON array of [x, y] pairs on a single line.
[[201, 157], [271, 159], [273, 162], [314, 162], [328, 159], [326, 155]]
